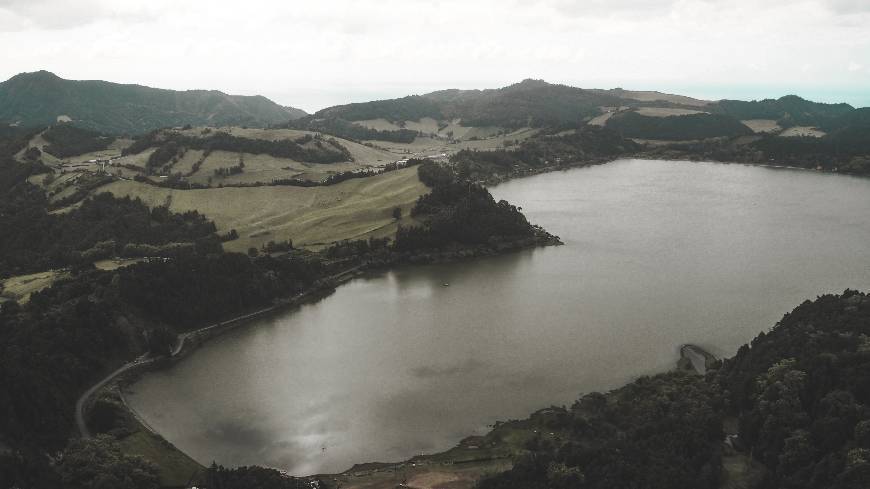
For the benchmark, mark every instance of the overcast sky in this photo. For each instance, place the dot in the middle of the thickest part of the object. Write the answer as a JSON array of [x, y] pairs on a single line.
[[324, 52]]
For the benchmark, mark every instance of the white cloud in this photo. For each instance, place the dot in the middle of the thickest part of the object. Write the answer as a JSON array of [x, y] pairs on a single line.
[[332, 51]]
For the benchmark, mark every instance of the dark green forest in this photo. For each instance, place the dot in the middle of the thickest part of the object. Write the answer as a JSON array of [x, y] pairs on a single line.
[[102, 227], [411, 108], [66, 140], [787, 111], [458, 211], [692, 126]]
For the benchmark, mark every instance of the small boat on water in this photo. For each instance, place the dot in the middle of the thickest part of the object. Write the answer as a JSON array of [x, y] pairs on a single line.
[[445, 284]]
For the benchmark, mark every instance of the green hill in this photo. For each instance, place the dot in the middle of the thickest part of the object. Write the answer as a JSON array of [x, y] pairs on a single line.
[[40, 98], [788, 111], [528, 103]]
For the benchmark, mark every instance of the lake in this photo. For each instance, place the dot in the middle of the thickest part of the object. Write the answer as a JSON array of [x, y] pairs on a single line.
[[656, 254]]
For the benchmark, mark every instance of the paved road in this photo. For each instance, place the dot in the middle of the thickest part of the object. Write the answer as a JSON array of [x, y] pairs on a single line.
[[80, 404]]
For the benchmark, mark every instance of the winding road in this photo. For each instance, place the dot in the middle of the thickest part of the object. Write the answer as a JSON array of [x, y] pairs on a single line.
[[145, 359], [80, 403]]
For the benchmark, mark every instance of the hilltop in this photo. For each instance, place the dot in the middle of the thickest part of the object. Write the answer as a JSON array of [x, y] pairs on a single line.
[[537, 103], [42, 98]]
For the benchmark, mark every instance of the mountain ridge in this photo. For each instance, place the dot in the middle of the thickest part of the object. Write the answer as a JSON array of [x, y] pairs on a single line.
[[42, 97]]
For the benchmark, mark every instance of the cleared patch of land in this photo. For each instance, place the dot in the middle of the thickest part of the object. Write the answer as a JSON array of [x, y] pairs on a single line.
[[802, 131], [312, 216], [363, 155], [424, 146], [116, 263], [601, 120], [174, 468], [20, 287], [188, 160], [651, 96], [666, 111], [762, 125], [263, 169], [430, 127]]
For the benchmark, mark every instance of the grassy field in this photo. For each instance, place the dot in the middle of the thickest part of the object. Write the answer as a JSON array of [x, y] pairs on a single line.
[[264, 169], [116, 263], [309, 216], [427, 146], [362, 155], [187, 161], [649, 96], [601, 120], [762, 125], [20, 287], [173, 467], [429, 126], [800, 131]]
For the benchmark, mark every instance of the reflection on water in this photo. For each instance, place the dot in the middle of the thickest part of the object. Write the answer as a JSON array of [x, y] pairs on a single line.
[[657, 254]]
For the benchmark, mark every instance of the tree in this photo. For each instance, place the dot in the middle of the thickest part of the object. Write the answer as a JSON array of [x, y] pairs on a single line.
[[161, 341]]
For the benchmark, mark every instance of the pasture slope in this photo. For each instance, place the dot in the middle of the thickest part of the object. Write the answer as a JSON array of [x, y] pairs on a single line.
[[311, 216]]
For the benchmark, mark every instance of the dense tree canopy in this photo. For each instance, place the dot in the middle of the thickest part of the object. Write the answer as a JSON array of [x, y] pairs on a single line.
[[66, 140], [459, 212]]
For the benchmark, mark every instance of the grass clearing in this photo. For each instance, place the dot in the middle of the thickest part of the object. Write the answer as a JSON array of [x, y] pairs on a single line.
[[378, 124], [429, 126], [802, 131], [174, 468], [601, 120], [20, 287], [187, 161], [652, 96], [311, 217], [362, 155], [116, 263], [762, 125], [264, 168]]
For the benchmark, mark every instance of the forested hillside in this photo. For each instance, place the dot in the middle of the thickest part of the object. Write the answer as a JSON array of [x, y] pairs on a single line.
[[40, 98], [788, 111], [693, 126], [529, 103], [801, 393]]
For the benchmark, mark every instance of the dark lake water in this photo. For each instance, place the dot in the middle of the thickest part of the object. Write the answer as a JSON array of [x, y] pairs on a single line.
[[656, 254]]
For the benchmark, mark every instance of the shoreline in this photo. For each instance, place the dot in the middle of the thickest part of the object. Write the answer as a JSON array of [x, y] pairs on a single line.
[[497, 179], [128, 373]]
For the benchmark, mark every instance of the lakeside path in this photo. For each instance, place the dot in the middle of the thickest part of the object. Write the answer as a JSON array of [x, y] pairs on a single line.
[[145, 359]]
